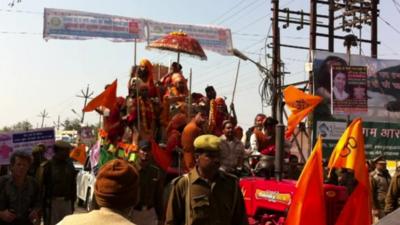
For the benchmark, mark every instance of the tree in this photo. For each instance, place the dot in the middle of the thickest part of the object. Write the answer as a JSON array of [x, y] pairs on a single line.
[[72, 124], [20, 126]]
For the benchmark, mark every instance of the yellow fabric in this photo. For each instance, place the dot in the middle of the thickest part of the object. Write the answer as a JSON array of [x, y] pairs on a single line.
[[207, 142], [300, 104], [350, 153]]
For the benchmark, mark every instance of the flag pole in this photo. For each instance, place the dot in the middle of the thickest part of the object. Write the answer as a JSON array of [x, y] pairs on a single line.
[[234, 86], [190, 93], [137, 88]]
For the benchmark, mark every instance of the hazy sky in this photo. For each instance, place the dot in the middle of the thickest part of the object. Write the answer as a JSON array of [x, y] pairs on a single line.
[[37, 75]]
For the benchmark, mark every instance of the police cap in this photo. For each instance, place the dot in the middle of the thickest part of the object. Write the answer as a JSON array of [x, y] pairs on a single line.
[[207, 142], [379, 159]]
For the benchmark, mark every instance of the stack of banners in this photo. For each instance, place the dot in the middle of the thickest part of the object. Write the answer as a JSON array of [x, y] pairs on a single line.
[[79, 25], [368, 88], [25, 141]]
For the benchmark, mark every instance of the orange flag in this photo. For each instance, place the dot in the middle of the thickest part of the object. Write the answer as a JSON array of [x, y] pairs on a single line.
[[161, 157], [79, 153], [308, 204], [350, 153], [107, 98], [300, 104]]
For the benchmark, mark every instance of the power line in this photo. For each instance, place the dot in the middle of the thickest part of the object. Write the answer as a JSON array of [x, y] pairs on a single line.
[[20, 11], [390, 25], [225, 13], [238, 11]]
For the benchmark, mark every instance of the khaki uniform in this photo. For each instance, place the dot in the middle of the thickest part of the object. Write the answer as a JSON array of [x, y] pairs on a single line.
[[392, 200], [194, 200], [379, 186]]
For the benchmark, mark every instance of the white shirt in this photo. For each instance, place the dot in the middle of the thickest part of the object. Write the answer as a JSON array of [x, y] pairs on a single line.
[[340, 95]]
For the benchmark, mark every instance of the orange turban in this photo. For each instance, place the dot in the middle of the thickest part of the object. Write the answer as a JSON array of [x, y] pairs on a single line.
[[149, 67], [219, 101]]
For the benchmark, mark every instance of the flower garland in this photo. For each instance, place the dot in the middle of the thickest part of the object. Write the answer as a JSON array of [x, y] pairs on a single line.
[[146, 114]]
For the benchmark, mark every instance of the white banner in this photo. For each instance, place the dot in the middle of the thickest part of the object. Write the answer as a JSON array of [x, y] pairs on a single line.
[[25, 141], [70, 24], [216, 39]]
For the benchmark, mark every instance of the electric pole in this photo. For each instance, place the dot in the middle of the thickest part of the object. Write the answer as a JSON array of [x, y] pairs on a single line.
[[44, 115], [86, 96], [58, 123]]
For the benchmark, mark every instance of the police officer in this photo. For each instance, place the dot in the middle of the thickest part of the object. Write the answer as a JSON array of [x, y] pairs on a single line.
[[151, 183], [380, 180], [392, 200], [206, 195], [58, 180]]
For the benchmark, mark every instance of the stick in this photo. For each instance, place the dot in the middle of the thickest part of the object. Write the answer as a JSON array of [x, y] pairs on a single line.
[[234, 86]]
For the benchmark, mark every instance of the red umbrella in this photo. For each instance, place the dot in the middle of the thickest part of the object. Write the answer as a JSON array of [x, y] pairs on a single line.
[[179, 42]]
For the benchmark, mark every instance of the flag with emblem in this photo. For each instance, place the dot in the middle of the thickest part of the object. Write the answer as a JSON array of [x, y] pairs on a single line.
[[308, 203], [349, 153], [300, 104]]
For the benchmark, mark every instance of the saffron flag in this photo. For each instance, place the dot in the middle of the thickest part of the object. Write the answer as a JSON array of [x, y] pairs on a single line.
[[349, 153], [308, 204], [162, 157], [300, 104], [107, 98], [79, 153]]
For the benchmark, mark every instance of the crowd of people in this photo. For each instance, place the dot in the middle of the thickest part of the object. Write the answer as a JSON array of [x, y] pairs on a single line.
[[199, 135], [197, 132]]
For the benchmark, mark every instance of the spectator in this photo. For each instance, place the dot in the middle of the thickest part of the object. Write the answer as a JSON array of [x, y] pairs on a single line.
[[149, 209], [19, 193], [58, 184], [116, 192]]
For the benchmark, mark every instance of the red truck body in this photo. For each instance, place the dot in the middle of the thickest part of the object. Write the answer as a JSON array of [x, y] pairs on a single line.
[[267, 200]]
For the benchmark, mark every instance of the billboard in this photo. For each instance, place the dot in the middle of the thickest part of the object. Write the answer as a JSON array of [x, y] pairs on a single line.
[[25, 141], [79, 25], [71, 24], [380, 111]]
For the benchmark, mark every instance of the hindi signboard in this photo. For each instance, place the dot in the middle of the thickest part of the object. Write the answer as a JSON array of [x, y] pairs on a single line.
[[79, 25], [25, 141], [378, 104]]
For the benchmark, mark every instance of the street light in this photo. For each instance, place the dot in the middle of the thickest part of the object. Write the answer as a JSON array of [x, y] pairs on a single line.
[[277, 107], [242, 56]]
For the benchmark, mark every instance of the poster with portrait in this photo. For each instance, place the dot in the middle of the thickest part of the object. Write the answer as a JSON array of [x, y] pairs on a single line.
[[349, 90], [380, 111]]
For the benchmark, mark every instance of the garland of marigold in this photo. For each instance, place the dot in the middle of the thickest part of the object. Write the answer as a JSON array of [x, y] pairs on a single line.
[[212, 116], [145, 125]]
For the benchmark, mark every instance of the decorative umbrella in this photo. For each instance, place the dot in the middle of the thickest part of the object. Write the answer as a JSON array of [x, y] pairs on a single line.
[[179, 42]]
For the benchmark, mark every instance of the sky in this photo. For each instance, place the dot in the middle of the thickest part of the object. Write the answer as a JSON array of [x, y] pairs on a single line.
[[37, 75]]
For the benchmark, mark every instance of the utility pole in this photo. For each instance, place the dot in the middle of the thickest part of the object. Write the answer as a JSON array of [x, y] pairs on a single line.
[[58, 123], [86, 96], [44, 115]]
